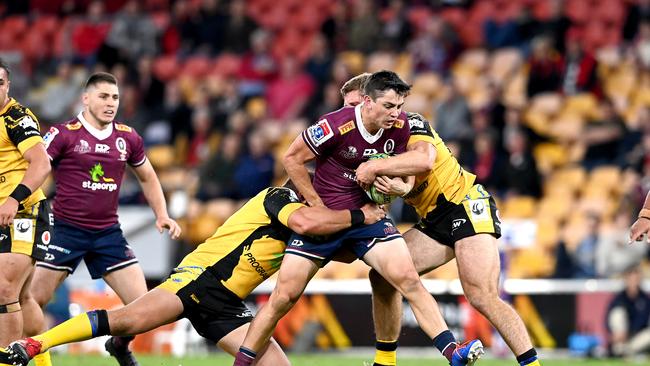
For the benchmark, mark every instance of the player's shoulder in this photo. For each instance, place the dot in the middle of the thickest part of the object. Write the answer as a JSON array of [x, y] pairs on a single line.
[[123, 127], [72, 125], [339, 117], [125, 131]]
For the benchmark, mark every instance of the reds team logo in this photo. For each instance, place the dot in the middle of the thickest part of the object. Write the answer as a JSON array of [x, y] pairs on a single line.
[[120, 144]]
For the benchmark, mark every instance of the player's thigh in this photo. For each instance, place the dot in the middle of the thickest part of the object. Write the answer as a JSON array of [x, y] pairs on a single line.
[[155, 308], [15, 268], [271, 355], [478, 263], [44, 283], [295, 272], [426, 252], [391, 259], [128, 282]]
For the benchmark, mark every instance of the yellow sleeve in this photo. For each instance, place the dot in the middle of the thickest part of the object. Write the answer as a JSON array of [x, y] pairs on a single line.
[[287, 210], [28, 143]]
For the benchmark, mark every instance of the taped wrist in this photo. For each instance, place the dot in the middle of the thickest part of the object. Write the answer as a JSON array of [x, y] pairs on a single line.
[[357, 217], [12, 307], [21, 192]]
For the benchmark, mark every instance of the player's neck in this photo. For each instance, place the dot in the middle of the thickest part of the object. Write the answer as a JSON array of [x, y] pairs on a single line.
[[365, 118], [5, 102], [94, 122]]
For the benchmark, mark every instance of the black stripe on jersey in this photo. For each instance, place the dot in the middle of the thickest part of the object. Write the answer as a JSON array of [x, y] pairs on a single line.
[[225, 266], [275, 200], [419, 125], [20, 124]]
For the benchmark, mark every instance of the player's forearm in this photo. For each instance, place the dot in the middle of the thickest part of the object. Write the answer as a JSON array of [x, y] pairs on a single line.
[[38, 170], [412, 162], [645, 211], [322, 221], [299, 175], [155, 197]]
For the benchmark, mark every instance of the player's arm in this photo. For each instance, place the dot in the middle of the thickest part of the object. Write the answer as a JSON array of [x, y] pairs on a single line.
[[321, 220], [154, 194], [294, 161], [642, 224], [396, 186], [419, 158]]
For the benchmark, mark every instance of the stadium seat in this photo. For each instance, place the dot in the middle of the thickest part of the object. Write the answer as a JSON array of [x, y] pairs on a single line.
[[585, 105], [606, 176], [354, 60], [475, 59], [161, 156], [427, 83], [520, 207], [503, 63], [196, 67], [166, 67], [549, 156]]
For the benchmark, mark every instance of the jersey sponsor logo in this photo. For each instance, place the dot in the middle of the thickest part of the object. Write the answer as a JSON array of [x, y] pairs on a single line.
[[28, 123], [320, 132], [389, 146], [122, 127], [389, 228], [368, 152], [49, 257], [58, 249], [23, 230], [3, 179], [102, 148], [50, 135], [83, 147], [45, 237], [456, 224], [3, 237], [349, 126], [245, 314], [73, 126], [97, 180], [479, 210], [350, 153], [296, 243], [399, 123], [350, 176], [416, 123], [257, 266]]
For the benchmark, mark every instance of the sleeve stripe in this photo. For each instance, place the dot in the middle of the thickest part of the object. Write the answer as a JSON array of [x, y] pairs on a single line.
[[28, 143], [309, 143], [287, 210], [140, 162]]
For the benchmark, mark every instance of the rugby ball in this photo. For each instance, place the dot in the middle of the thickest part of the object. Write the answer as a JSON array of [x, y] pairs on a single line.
[[372, 192]]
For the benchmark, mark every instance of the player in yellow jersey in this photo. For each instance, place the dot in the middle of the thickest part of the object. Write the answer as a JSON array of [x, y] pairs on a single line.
[[24, 215], [209, 285], [458, 219]]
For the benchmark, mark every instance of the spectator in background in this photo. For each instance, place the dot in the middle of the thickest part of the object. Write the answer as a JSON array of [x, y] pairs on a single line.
[[578, 259], [520, 174], [637, 13], [614, 254], [132, 35], [557, 24], [487, 162], [216, 174], [255, 168], [628, 318], [435, 48], [55, 98], [336, 27], [500, 31], [258, 66], [319, 63], [642, 45], [175, 111], [210, 28], [238, 28], [603, 137], [288, 95], [89, 32], [453, 117], [544, 68], [396, 30], [365, 29], [579, 68], [151, 89], [202, 139]]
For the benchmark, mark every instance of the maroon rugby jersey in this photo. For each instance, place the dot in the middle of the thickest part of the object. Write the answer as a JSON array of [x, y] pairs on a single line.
[[340, 142], [88, 169]]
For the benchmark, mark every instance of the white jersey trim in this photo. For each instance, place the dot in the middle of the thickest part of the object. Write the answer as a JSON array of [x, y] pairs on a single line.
[[99, 134], [370, 138]]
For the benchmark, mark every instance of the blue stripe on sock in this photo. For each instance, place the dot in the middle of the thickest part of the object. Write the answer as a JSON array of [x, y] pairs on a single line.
[[248, 352], [528, 361], [94, 321]]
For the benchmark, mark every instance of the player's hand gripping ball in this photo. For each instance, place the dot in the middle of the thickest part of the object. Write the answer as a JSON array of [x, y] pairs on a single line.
[[373, 193]]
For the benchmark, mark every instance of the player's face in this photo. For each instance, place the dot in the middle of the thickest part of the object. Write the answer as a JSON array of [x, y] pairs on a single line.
[[101, 102], [352, 98], [4, 87], [384, 110]]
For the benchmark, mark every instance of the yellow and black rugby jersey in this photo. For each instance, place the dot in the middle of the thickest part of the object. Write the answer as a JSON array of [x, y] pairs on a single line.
[[248, 248], [447, 181], [19, 131]]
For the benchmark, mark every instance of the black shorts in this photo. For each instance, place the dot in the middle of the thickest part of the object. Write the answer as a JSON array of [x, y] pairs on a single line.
[[212, 309], [30, 232], [449, 222]]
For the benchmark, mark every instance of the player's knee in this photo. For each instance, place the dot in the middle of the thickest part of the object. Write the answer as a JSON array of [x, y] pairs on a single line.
[[406, 282], [283, 299], [9, 291], [480, 298], [379, 284]]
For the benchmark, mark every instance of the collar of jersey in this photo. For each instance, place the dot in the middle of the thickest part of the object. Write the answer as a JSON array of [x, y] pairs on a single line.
[[370, 138], [11, 102], [99, 134]]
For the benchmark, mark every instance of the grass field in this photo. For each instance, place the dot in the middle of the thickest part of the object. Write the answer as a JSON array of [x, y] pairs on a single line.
[[307, 360]]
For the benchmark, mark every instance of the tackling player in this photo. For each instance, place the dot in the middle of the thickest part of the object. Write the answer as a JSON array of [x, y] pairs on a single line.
[[339, 142], [458, 219], [209, 285], [90, 154], [24, 214]]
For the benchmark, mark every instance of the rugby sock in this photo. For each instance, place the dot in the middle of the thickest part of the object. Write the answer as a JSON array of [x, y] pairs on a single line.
[[244, 357], [445, 342], [385, 353], [43, 359], [528, 358], [80, 328]]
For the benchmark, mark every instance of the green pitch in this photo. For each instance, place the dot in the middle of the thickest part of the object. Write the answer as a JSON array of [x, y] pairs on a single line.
[[300, 360]]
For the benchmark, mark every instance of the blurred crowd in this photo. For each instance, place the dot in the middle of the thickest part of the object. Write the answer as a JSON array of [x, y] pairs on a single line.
[[546, 101]]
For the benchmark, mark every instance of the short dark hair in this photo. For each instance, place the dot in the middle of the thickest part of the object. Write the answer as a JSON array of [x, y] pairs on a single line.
[[100, 77], [5, 65], [356, 83], [381, 81]]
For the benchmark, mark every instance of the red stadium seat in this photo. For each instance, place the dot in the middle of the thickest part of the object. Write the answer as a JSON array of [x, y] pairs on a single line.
[[226, 64], [46, 25], [166, 67], [15, 25], [418, 16], [578, 10], [196, 67]]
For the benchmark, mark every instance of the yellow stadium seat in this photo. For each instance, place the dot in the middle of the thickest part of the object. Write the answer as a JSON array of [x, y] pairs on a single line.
[[548, 233], [606, 176], [503, 63], [575, 176], [531, 263], [428, 83], [519, 207], [549, 156], [584, 104], [161, 156], [546, 103], [354, 60], [554, 208], [475, 59]]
